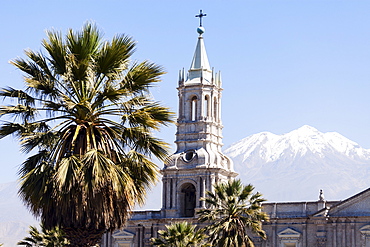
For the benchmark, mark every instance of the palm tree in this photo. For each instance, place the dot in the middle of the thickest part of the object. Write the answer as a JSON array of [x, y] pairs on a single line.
[[87, 116], [35, 238], [232, 210], [48, 238], [181, 234]]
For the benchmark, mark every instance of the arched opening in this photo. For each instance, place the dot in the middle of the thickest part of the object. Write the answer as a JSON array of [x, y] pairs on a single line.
[[188, 198], [206, 106], [194, 108]]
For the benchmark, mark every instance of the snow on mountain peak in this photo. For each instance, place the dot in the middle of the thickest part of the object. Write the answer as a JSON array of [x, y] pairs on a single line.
[[298, 142], [301, 163], [306, 130]]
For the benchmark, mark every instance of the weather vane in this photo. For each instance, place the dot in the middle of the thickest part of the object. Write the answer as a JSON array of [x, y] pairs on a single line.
[[200, 16]]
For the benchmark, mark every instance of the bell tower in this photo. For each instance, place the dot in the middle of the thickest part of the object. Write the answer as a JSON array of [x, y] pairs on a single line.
[[198, 162]]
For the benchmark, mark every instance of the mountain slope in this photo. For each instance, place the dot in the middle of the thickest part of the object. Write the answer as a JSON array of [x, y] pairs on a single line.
[[296, 165], [14, 217]]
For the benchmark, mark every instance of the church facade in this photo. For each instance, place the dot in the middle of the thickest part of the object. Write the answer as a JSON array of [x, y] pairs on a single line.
[[199, 163]]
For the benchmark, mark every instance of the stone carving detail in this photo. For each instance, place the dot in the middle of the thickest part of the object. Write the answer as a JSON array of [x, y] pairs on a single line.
[[289, 236]]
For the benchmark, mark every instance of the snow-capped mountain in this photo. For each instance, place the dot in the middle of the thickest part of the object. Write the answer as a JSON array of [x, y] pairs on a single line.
[[296, 165], [15, 219]]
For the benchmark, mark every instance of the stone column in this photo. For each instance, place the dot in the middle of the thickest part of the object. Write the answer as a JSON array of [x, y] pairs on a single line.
[[212, 182], [137, 237], [104, 240], [353, 236], [181, 105], [203, 192], [304, 234], [344, 224], [197, 192], [164, 193], [147, 234], [174, 189], [321, 232], [109, 239], [219, 107], [168, 195], [273, 227], [334, 224]]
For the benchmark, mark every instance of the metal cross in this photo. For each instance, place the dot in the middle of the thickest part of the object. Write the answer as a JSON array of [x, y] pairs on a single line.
[[200, 16]]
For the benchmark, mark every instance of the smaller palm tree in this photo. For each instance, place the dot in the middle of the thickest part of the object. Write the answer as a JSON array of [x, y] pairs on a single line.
[[233, 209], [181, 234], [47, 238]]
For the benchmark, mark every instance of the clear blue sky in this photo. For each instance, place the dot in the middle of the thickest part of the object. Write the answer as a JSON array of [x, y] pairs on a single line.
[[284, 63]]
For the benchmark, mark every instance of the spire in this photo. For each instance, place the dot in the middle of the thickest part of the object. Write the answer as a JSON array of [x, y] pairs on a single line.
[[200, 70], [200, 59]]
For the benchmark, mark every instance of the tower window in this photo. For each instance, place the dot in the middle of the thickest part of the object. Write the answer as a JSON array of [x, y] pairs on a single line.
[[206, 106], [193, 108], [189, 155]]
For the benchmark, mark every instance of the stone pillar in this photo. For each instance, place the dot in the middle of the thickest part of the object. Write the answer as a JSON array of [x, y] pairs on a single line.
[[197, 192], [147, 234], [321, 233], [137, 237], [304, 234], [174, 190], [168, 189], [353, 235], [181, 105], [212, 182], [164, 193], [344, 232], [109, 239], [203, 192], [334, 224], [273, 227]]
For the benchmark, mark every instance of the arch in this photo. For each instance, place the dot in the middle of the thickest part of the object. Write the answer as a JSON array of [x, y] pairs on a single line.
[[193, 108], [206, 106], [187, 200]]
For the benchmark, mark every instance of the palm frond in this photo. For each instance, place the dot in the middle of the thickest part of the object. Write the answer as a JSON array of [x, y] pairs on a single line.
[[33, 161], [40, 140], [113, 57], [141, 76], [24, 112], [21, 96], [56, 50]]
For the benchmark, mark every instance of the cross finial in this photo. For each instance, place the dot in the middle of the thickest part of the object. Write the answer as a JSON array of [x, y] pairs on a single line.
[[200, 16]]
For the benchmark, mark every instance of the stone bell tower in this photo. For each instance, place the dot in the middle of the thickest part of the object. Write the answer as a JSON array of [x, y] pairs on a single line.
[[198, 162]]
